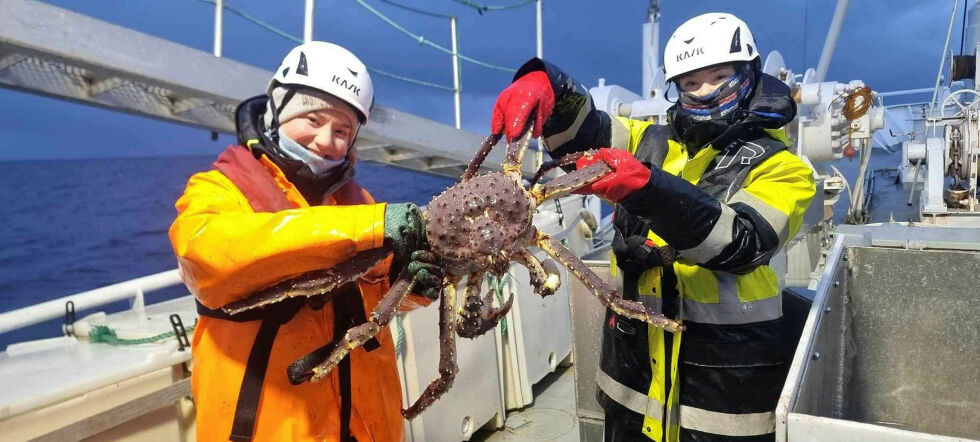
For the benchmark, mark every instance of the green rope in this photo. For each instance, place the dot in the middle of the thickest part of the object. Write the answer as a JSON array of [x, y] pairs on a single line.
[[399, 337], [104, 334], [483, 8], [257, 21], [423, 41], [497, 286], [412, 80], [284, 34], [416, 10]]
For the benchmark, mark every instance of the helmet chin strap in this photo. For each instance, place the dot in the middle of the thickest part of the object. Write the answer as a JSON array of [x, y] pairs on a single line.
[[276, 109]]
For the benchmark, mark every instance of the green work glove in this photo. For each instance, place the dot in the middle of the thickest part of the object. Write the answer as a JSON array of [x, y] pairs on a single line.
[[424, 266], [405, 234], [404, 231]]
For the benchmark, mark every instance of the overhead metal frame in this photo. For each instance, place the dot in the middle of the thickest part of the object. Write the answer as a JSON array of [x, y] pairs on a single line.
[[58, 53]]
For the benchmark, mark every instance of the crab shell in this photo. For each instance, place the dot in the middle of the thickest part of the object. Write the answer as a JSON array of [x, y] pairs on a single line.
[[479, 224]]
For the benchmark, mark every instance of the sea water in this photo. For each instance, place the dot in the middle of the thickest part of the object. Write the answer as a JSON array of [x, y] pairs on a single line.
[[67, 226]]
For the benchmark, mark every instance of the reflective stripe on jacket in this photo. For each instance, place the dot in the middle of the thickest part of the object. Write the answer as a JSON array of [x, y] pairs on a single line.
[[731, 304], [226, 251], [726, 209]]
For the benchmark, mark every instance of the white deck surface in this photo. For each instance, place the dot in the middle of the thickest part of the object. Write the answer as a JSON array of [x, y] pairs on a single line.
[[39, 373], [550, 418]]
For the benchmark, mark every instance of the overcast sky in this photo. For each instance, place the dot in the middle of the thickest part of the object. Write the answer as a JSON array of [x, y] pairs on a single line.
[[890, 44]]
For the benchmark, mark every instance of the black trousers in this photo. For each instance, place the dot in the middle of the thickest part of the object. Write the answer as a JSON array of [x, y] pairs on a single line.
[[734, 369]]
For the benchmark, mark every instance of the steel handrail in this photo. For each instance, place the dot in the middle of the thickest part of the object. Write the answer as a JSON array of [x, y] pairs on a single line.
[[55, 308]]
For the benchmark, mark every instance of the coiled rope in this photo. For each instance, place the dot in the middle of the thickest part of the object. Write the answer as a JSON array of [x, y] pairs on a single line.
[[857, 103]]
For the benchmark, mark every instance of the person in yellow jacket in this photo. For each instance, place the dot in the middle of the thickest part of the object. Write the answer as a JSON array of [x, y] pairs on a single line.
[[278, 205], [702, 204]]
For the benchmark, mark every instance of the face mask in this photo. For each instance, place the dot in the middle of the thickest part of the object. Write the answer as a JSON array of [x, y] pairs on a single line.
[[720, 103], [295, 151]]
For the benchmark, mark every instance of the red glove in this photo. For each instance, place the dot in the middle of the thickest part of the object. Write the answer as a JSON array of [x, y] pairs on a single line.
[[628, 174], [530, 93]]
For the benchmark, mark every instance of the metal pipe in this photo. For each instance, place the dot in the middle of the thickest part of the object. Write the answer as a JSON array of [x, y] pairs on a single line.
[[858, 209], [828, 46], [456, 82], [539, 32], [308, 21], [651, 48], [906, 92], [915, 181], [942, 65], [219, 9], [55, 308]]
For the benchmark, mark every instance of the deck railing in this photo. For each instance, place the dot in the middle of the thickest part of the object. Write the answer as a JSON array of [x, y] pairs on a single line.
[[55, 308]]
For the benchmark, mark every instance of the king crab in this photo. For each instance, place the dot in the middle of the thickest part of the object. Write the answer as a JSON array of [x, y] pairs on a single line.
[[477, 226]]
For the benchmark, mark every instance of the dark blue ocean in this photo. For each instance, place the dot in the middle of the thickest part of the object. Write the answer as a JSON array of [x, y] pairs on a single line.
[[68, 226]]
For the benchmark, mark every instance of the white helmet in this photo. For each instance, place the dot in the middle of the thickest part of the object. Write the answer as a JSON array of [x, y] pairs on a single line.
[[707, 40], [331, 69]]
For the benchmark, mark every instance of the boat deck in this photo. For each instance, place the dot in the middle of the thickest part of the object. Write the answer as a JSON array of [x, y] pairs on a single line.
[[551, 417]]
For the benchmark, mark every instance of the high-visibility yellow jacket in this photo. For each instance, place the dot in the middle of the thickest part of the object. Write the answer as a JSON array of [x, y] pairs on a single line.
[[227, 251], [726, 209]]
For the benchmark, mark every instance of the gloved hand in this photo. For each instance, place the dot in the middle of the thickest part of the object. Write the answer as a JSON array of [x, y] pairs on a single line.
[[530, 93], [628, 175], [404, 232], [428, 274], [640, 253]]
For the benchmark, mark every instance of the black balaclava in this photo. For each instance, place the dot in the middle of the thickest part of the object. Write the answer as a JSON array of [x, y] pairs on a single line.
[[700, 121]]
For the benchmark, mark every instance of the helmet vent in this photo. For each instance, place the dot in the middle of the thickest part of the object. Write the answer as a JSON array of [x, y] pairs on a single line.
[[301, 69], [736, 41]]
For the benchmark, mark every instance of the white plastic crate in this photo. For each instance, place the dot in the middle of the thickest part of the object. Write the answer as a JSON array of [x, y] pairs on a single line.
[[476, 397]]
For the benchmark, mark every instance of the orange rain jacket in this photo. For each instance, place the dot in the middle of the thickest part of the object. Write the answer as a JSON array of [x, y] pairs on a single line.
[[227, 251]]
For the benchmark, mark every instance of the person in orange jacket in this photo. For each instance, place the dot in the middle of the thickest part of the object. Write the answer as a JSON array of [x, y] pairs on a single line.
[[280, 204]]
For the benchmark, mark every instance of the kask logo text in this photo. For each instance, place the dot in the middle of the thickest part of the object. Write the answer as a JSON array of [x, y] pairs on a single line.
[[688, 54]]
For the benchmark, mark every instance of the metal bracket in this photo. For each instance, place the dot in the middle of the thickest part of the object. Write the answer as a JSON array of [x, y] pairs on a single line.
[[69, 327], [179, 332]]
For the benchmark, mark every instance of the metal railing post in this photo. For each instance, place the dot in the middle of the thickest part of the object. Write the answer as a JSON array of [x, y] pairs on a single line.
[[539, 157], [219, 8], [456, 82], [308, 21], [538, 31]]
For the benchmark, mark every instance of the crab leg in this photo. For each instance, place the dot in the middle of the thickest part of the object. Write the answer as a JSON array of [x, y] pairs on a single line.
[[359, 334], [515, 155], [607, 295], [481, 155], [477, 316], [447, 352], [317, 282], [545, 281], [559, 162], [569, 182]]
